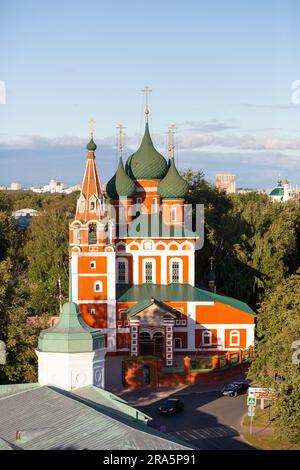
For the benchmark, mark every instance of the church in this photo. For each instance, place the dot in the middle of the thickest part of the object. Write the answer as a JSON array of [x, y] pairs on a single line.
[[132, 264]]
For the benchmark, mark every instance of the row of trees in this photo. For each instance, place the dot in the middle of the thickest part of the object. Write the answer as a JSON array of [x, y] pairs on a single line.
[[255, 244]]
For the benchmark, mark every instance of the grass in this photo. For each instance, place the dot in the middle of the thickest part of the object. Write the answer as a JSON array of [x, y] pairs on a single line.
[[263, 419]]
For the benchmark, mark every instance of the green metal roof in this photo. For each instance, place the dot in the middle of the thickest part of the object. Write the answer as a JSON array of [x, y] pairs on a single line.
[[146, 162], [176, 293], [91, 146], [152, 225], [49, 418], [71, 333], [173, 186], [120, 185], [279, 191]]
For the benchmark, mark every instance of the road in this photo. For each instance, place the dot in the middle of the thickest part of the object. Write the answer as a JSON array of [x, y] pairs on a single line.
[[208, 422]]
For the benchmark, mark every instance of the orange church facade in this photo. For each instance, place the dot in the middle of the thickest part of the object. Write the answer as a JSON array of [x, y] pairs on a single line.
[[133, 262]]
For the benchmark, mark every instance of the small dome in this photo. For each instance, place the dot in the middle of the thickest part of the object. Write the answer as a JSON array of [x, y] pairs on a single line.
[[211, 276], [91, 146], [120, 185], [146, 162], [279, 191], [173, 186]]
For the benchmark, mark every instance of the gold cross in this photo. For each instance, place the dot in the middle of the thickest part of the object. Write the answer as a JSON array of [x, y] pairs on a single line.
[[211, 262], [147, 90], [92, 123], [120, 127]]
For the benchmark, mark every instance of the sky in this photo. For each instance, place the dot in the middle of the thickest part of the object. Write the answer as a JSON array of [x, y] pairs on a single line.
[[220, 70]]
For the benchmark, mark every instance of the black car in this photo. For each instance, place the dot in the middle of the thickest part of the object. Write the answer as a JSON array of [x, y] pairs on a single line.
[[234, 389], [171, 406]]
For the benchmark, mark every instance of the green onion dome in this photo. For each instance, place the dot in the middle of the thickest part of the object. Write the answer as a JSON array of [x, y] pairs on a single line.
[[120, 185], [173, 186], [211, 276], [91, 146], [147, 163], [128, 167]]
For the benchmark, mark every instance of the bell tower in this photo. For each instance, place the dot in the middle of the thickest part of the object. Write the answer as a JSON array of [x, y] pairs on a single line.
[[93, 255]]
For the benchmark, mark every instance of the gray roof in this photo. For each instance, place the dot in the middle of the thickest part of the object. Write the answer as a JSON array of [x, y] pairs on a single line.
[[50, 418]]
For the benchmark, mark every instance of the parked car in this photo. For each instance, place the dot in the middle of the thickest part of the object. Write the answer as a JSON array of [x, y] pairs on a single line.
[[234, 389], [171, 406]]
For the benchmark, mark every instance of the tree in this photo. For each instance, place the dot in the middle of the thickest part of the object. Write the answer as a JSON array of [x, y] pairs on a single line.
[[47, 254], [278, 328]]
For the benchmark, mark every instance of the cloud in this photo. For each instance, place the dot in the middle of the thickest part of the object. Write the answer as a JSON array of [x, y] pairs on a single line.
[[213, 125]]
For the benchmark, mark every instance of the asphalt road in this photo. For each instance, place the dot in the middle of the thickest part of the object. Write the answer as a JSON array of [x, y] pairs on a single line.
[[208, 422]]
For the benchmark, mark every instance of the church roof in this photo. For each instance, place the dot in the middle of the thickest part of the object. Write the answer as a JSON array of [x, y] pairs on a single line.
[[173, 186], [49, 418], [279, 191], [120, 185], [146, 162], [165, 309], [71, 333], [152, 225], [176, 292]]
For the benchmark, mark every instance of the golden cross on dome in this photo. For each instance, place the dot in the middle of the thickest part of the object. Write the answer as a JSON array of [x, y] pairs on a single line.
[[120, 128], [147, 90], [92, 123], [211, 259]]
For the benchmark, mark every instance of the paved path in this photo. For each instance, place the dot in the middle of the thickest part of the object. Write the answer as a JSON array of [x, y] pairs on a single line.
[[208, 421]]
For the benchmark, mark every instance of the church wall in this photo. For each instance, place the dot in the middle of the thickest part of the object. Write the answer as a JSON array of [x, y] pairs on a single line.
[[221, 313], [96, 320]]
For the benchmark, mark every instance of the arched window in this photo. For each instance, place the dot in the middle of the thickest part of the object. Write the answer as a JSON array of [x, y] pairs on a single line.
[[122, 271], [92, 234], [98, 286], [76, 233], [154, 205], [177, 343], [123, 315], [206, 338], [93, 264], [92, 205], [234, 338]]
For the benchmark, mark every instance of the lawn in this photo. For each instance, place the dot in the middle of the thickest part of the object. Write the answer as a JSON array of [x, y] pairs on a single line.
[[264, 438]]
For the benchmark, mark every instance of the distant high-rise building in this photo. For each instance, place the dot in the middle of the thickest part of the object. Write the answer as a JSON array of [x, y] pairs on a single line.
[[226, 182], [15, 186]]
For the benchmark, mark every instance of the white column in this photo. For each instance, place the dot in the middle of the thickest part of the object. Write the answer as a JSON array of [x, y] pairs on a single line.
[[74, 274]]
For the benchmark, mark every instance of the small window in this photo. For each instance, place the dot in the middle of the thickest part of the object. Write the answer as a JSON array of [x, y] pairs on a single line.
[[92, 311], [123, 315], [138, 204], [149, 272], [98, 286], [93, 264], [81, 204], [92, 205], [122, 272], [173, 214], [206, 337], [177, 343], [234, 338], [175, 268]]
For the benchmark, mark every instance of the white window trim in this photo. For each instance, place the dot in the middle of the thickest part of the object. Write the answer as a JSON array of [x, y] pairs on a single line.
[[180, 341], [150, 244], [76, 230], [206, 334], [176, 260], [126, 270], [153, 261], [93, 262], [100, 283], [81, 203], [92, 311], [154, 205], [236, 333], [94, 200]]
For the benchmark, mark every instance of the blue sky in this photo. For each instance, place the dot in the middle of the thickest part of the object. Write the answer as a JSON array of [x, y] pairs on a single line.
[[220, 70]]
